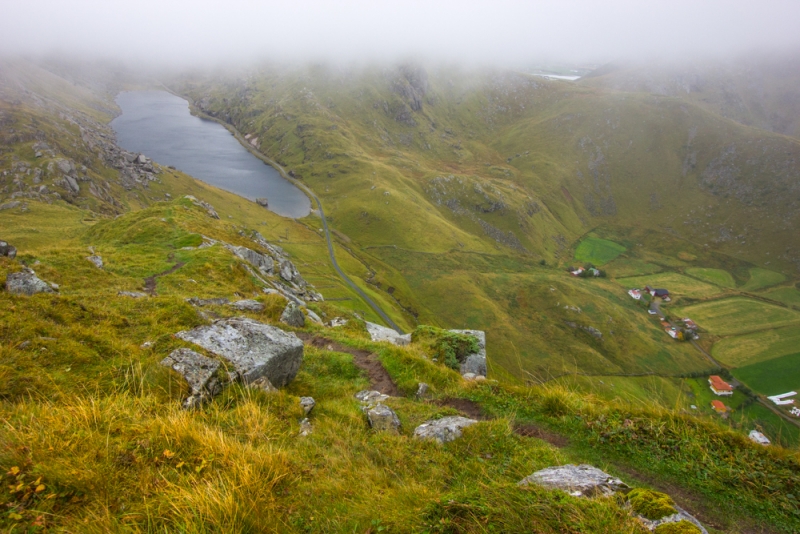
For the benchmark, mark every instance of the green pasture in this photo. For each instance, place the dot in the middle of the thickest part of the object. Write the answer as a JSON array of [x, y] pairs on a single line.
[[739, 315], [622, 267], [748, 349], [760, 278], [713, 276], [787, 295], [772, 377], [678, 285], [597, 251]]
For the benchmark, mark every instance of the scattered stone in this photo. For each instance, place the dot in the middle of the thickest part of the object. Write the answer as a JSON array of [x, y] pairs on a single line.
[[443, 430], [26, 283], [194, 301], [247, 305], [10, 205], [367, 396], [263, 202], [200, 373], [475, 363], [305, 427], [293, 316], [132, 294], [253, 348], [261, 261], [25, 344], [383, 419], [287, 270], [313, 316], [307, 403], [96, 260], [337, 321], [472, 377], [141, 159], [263, 384], [422, 390], [577, 480], [146, 345], [72, 184], [7, 250]]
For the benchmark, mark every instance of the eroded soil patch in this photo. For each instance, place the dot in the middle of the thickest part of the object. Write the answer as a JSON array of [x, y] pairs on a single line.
[[150, 281], [379, 379], [529, 430], [469, 408]]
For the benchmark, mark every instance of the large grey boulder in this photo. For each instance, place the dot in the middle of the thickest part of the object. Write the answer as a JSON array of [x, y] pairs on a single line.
[[475, 363], [26, 283], [200, 373], [383, 419], [444, 429], [260, 261], [577, 480], [254, 349], [7, 250], [367, 396], [381, 333], [293, 316], [72, 184], [307, 403], [247, 305]]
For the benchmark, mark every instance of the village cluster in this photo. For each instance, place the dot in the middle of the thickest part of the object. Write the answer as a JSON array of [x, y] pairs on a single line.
[[685, 331]]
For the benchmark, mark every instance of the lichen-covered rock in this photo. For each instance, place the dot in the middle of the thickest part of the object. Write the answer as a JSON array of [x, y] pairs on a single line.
[[7, 250], [96, 260], [26, 283], [381, 333], [422, 390], [132, 294], [200, 373], [262, 262], [263, 384], [307, 403], [475, 363], [305, 427], [443, 430], [194, 301], [293, 316], [247, 305], [383, 419], [287, 270], [578, 480], [367, 396], [254, 349]]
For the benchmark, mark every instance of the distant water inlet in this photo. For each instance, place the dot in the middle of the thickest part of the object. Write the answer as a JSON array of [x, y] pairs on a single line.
[[159, 125]]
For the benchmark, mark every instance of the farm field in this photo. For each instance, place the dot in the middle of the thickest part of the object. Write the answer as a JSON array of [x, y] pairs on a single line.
[[622, 267], [713, 276], [597, 251], [772, 377], [776, 429], [739, 315], [787, 295], [739, 351], [760, 278], [679, 285]]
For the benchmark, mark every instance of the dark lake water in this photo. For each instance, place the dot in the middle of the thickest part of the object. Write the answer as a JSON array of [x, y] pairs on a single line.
[[159, 125]]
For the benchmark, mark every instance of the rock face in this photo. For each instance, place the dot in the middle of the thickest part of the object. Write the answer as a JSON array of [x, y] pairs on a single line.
[[261, 261], [381, 333], [293, 316], [200, 372], [577, 480], [7, 250], [254, 349], [287, 270], [247, 305], [26, 283], [475, 363], [383, 419], [444, 429]]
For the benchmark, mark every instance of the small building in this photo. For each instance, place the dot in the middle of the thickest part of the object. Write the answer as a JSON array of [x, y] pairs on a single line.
[[783, 399], [719, 386], [663, 294], [795, 411], [688, 323], [577, 272], [593, 271], [757, 437], [635, 294], [718, 407], [673, 333]]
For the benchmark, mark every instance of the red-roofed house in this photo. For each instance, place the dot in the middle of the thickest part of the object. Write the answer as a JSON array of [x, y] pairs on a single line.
[[719, 386], [718, 406]]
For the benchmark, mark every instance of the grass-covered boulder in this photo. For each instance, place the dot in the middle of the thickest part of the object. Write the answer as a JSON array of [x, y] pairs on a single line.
[[448, 347]]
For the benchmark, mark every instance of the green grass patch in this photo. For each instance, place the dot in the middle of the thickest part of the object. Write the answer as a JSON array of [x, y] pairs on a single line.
[[787, 295], [760, 278], [713, 276], [772, 377], [739, 315], [597, 251], [739, 351], [678, 285], [622, 267]]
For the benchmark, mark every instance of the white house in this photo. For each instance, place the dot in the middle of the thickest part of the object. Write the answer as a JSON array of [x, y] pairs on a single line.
[[759, 438], [635, 293]]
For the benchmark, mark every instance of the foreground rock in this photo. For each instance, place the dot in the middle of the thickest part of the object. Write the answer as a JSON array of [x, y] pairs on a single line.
[[247, 305], [200, 373], [443, 430], [194, 301], [367, 396], [475, 363], [26, 283], [383, 419], [254, 349], [96, 260], [577, 480], [381, 333], [7, 250], [293, 316], [307, 403]]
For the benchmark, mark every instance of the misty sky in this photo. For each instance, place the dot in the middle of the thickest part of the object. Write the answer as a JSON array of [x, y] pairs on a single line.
[[498, 31]]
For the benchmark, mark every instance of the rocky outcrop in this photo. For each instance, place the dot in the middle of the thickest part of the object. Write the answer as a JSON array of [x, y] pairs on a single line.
[[577, 480], [200, 373], [293, 316], [205, 205], [132, 294], [194, 301], [7, 250], [443, 430], [381, 333], [260, 261], [247, 305], [475, 363], [253, 349], [383, 419], [367, 396], [26, 283]]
